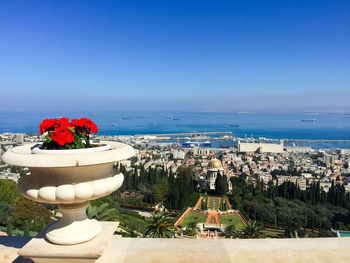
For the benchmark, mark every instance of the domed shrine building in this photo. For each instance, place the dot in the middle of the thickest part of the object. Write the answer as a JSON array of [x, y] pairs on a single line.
[[214, 168]]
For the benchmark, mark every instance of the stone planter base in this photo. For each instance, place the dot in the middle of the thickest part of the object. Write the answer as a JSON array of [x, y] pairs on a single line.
[[74, 227], [40, 250]]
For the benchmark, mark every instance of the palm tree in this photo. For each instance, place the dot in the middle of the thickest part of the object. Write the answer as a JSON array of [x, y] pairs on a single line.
[[191, 229], [252, 230], [160, 226], [101, 212], [232, 231]]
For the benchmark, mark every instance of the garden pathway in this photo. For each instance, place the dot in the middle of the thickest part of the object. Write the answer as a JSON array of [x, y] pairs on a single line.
[[182, 218], [228, 203], [212, 217], [199, 202]]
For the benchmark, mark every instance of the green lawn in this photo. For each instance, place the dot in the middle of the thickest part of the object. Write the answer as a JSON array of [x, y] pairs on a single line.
[[133, 221], [193, 217], [231, 220]]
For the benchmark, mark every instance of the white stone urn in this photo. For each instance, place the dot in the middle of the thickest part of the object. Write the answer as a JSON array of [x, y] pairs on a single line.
[[70, 178]]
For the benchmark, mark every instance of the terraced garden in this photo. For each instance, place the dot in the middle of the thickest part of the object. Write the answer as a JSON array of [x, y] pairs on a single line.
[[193, 217], [213, 204], [231, 219]]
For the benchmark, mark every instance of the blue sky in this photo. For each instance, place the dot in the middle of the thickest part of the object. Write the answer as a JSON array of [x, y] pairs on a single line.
[[175, 55]]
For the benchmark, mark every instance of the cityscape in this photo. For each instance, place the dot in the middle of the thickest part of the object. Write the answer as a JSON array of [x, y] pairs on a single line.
[[262, 170]]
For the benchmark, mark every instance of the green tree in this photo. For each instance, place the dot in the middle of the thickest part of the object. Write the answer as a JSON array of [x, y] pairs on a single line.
[[9, 229], [225, 184], [203, 205], [160, 226], [6, 212], [185, 185], [103, 212], [156, 193], [26, 228], [8, 192], [232, 231], [219, 185], [160, 190], [251, 230], [174, 195], [37, 215], [192, 229]]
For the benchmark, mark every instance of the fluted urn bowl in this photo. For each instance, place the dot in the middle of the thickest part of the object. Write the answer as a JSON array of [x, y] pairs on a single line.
[[70, 178]]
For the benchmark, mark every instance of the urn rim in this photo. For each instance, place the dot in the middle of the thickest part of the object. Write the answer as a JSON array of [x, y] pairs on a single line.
[[98, 148], [23, 156]]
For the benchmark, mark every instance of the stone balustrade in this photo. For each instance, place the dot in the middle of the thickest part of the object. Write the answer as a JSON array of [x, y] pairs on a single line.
[[202, 250]]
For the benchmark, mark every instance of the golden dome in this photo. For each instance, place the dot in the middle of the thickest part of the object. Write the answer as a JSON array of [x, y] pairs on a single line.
[[214, 164]]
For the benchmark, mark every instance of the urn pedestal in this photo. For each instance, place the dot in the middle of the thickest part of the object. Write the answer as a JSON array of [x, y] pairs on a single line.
[[70, 178]]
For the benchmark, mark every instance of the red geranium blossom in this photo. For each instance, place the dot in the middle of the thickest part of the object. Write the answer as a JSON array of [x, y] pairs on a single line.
[[85, 125], [64, 133], [47, 125]]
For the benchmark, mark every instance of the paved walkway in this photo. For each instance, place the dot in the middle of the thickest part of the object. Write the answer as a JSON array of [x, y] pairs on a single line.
[[212, 217], [228, 203], [182, 218], [199, 202], [241, 217]]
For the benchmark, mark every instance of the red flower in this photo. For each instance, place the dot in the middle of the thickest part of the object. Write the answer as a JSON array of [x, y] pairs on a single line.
[[85, 125], [63, 121], [63, 132], [47, 125], [62, 135]]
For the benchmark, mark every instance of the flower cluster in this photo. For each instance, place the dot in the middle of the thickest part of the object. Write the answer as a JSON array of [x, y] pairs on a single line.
[[63, 134], [85, 125]]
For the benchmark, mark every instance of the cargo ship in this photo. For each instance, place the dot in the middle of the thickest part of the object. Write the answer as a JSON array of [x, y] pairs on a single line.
[[308, 120]]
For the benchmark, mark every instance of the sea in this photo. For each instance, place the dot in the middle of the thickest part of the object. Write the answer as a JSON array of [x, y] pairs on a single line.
[[327, 126]]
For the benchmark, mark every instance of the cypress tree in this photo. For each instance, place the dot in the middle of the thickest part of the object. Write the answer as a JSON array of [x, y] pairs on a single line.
[[135, 179], [9, 228], [185, 185], [337, 197], [285, 190], [149, 176], [26, 228], [331, 194], [126, 180], [294, 195], [342, 196], [130, 181], [225, 184], [162, 172], [318, 192], [219, 188]]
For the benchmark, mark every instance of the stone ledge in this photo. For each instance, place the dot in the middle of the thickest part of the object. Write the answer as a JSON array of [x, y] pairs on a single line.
[[227, 250], [131, 250]]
